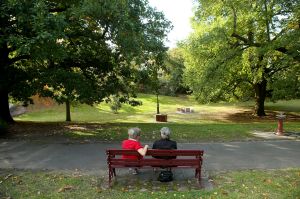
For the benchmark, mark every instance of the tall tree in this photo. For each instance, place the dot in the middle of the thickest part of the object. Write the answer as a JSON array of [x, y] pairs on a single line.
[[240, 49], [28, 35], [76, 50], [173, 74]]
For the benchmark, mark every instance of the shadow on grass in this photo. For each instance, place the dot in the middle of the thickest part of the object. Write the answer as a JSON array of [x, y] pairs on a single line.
[[248, 116]]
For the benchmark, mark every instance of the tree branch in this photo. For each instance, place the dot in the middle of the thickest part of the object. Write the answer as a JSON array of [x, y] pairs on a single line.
[[287, 52], [279, 34], [105, 31], [234, 19], [15, 59], [246, 41], [53, 10], [240, 37], [271, 73], [267, 21]]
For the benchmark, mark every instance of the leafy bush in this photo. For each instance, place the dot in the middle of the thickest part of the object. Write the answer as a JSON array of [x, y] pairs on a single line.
[[115, 104]]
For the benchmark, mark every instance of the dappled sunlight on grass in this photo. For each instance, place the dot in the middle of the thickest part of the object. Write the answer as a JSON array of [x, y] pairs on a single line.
[[224, 112], [81, 133], [203, 130], [75, 127], [137, 118]]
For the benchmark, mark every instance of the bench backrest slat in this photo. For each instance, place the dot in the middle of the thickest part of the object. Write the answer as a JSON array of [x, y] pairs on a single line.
[[155, 152]]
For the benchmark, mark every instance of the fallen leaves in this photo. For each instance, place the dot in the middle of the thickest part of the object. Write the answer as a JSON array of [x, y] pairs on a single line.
[[65, 188], [268, 181], [224, 192], [17, 180], [5, 178], [265, 195]]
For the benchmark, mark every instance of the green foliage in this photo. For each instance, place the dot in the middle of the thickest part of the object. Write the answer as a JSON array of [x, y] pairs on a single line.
[[77, 50], [287, 84], [244, 49], [164, 78], [115, 104], [172, 77]]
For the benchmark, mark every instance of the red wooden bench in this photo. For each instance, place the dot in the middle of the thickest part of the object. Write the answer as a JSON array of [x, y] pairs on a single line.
[[184, 159]]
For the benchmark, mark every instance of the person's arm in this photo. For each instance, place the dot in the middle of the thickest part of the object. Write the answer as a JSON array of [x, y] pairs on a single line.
[[143, 151]]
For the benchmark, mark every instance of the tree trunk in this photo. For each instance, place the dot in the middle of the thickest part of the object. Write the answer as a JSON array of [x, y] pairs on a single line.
[[68, 111], [4, 107], [4, 104], [260, 96]]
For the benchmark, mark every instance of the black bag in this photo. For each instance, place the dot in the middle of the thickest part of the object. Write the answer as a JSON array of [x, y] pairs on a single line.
[[165, 176]]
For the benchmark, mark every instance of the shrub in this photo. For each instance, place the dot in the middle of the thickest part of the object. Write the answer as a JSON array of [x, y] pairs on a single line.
[[115, 104]]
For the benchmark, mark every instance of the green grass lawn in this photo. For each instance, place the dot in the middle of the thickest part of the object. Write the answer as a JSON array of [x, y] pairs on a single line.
[[180, 132], [213, 122], [145, 113], [238, 184]]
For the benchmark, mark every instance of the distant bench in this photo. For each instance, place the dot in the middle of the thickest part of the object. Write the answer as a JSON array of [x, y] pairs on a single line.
[[185, 110], [184, 159]]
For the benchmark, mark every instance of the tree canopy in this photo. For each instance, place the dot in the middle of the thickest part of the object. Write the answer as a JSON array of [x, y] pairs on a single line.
[[172, 77], [76, 50], [242, 49]]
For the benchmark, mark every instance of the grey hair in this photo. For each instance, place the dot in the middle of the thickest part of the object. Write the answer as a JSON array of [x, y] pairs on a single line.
[[133, 133], [165, 132]]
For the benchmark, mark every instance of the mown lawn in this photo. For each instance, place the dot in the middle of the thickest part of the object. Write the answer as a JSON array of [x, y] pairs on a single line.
[[238, 184], [220, 112], [214, 122], [180, 132]]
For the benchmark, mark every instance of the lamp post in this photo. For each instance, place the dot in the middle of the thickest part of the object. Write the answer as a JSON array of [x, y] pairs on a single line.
[[157, 104]]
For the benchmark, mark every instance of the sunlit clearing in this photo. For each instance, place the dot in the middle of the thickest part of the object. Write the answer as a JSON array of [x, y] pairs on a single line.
[[75, 127], [82, 133]]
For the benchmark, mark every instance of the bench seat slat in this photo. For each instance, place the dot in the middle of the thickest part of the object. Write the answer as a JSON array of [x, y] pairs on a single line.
[[155, 162]]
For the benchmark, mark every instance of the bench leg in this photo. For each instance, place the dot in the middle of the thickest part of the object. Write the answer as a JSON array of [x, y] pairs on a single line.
[[114, 172], [198, 174], [110, 175]]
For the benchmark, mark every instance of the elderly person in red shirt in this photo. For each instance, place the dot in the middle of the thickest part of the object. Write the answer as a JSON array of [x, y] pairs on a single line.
[[133, 143]]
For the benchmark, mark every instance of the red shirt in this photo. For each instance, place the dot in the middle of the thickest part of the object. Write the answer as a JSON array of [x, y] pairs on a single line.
[[131, 144]]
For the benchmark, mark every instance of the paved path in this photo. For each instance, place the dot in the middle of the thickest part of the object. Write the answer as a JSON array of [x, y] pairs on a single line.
[[91, 157]]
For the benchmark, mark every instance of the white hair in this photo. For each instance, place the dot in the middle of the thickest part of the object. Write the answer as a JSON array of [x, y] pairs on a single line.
[[165, 132], [133, 133]]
